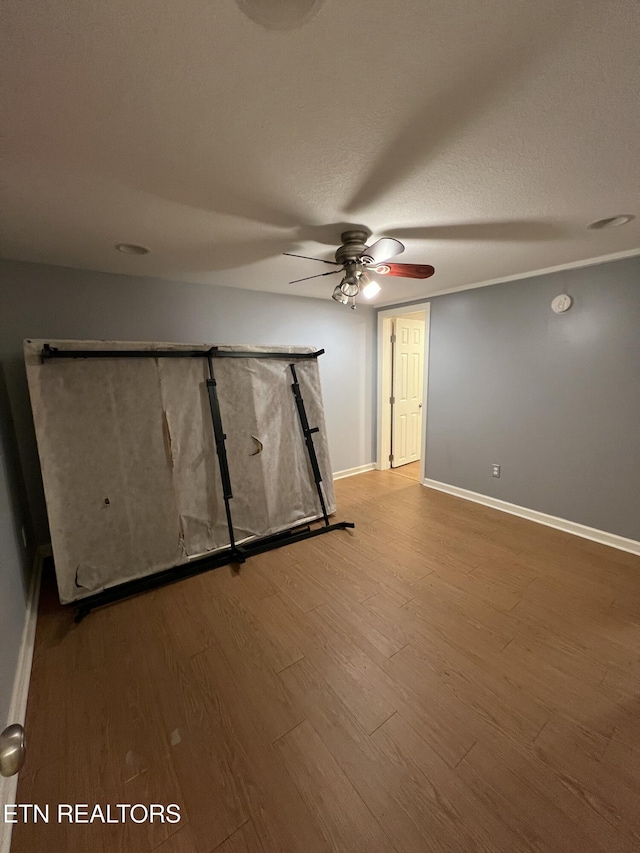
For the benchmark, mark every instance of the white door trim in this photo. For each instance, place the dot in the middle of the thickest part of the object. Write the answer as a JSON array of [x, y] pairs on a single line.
[[383, 411]]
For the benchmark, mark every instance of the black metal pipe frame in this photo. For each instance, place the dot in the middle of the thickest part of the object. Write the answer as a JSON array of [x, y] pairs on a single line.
[[49, 352], [221, 451], [234, 553], [308, 432], [196, 567]]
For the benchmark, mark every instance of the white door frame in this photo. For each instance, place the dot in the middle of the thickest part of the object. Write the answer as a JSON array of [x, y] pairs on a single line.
[[383, 409]]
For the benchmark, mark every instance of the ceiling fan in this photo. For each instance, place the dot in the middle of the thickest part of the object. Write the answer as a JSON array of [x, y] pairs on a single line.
[[357, 260]]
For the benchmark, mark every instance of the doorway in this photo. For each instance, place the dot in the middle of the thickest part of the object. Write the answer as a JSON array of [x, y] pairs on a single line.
[[403, 347]]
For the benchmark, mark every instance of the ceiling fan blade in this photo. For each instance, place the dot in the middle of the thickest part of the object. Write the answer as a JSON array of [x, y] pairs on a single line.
[[383, 249], [443, 117], [319, 275], [307, 258], [403, 270], [514, 230], [212, 255]]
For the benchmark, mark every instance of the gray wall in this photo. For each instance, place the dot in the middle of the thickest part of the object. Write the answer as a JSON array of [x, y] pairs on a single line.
[[554, 399], [13, 556], [39, 301]]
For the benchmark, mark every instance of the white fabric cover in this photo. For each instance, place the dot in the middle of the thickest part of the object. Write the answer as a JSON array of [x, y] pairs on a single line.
[[129, 465]]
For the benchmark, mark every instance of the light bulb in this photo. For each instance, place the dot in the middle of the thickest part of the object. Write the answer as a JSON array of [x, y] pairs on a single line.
[[370, 290]]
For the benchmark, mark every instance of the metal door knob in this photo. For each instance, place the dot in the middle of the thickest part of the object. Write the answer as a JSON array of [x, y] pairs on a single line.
[[13, 748]]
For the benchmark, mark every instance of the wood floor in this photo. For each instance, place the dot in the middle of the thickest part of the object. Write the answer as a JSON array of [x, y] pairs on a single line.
[[444, 678], [410, 470]]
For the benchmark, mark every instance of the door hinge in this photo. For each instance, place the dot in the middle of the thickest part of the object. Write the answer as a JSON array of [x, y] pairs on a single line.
[[391, 457], [393, 339], [392, 400]]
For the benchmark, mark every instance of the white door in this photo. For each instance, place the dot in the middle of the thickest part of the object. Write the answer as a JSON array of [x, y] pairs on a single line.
[[406, 406]]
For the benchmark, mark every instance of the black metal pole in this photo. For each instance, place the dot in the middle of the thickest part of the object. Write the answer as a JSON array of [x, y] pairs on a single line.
[[49, 352], [221, 450], [203, 564], [308, 431]]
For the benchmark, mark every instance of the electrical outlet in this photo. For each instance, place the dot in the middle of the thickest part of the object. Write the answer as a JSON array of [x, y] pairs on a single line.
[[495, 470]]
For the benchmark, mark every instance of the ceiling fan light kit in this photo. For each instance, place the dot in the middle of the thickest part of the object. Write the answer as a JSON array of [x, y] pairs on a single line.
[[357, 260]]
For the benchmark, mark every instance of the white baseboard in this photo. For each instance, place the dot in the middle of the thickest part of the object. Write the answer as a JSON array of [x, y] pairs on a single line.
[[18, 706], [350, 472], [601, 536]]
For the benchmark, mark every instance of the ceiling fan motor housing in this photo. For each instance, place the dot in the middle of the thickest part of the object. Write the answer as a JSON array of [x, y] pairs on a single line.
[[354, 246]]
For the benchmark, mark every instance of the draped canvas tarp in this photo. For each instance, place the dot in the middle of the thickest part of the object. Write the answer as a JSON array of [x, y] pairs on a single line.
[[127, 451]]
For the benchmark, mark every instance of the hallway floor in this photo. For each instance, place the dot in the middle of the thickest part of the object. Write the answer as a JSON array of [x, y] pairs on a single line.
[[444, 678], [411, 470]]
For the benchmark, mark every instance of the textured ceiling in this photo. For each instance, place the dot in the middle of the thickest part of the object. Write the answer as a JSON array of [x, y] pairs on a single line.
[[486, 135]]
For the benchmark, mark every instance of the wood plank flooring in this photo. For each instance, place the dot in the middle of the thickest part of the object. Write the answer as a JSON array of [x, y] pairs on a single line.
[[410, 470], [444, 678]]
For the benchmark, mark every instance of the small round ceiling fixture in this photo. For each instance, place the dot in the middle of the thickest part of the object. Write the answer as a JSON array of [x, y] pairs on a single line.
[[132, 249], [561, 303], [280, 14], [611, 222]]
